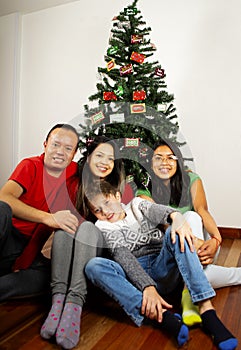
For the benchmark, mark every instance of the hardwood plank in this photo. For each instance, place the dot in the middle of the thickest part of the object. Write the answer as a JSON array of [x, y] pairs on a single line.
[[230, 232], [104, 325], [234, 253], [224, 251]]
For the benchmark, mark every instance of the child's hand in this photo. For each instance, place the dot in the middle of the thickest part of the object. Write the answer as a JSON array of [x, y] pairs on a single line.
[[181, 227]]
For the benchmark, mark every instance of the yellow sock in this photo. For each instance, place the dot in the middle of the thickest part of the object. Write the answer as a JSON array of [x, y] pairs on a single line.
[[190, 313]]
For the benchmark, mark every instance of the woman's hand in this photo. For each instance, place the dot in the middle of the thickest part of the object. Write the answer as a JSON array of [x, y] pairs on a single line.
[[153, 305], [207, 251]]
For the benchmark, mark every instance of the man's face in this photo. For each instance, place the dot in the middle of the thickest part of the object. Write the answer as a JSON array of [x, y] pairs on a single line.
[[59, 150], [107, 208]]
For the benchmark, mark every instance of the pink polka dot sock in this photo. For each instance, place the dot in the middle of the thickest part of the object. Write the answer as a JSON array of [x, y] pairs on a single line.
[[51, 323], [68, 331]]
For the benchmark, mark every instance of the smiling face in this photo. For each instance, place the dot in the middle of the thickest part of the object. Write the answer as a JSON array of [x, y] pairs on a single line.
[[101, 160], [107, 207], [59, 150], [164, 163]]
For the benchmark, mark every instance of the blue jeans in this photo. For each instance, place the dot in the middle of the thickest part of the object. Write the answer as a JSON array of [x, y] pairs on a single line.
[[166, 268]]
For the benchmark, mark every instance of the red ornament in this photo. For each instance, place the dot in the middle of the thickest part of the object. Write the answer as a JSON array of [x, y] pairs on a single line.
[[139, 95], [126, 69], [136, 38], [159, 72], [110, 65], [137, 57], [109, 95]]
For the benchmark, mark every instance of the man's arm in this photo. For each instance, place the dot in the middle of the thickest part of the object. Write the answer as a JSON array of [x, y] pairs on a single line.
[[10, 194]]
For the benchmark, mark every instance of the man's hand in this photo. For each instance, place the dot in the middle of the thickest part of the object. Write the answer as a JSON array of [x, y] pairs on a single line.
[[153, 304], [181, 227], [64, 220]]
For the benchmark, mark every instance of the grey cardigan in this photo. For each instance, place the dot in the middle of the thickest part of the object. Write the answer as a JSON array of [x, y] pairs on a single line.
[[135, 236]]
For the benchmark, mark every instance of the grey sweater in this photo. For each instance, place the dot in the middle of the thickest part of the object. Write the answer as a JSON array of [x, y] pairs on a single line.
[[135, 236]]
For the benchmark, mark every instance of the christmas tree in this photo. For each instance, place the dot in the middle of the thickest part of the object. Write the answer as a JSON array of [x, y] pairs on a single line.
[[133, 105]]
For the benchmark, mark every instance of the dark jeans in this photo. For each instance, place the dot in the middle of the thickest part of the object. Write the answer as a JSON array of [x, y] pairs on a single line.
[[31, 281]]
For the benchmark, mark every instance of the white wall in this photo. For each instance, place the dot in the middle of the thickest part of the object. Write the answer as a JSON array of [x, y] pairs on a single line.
[[198, 45], [9, 92]]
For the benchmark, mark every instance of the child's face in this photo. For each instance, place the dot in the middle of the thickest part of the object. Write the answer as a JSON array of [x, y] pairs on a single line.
[[107, 208]]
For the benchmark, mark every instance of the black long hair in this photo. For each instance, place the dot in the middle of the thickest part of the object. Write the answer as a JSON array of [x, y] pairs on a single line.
[[116, 178], [177, 192]]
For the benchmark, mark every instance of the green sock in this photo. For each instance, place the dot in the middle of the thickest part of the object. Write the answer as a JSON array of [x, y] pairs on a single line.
[[190, 312]]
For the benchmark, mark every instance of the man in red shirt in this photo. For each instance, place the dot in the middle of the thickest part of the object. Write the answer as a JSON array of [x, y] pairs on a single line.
[[37, 199]]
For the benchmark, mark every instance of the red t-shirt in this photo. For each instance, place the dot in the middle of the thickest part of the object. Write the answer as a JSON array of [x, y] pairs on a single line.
[[45, 192], [128, 194]]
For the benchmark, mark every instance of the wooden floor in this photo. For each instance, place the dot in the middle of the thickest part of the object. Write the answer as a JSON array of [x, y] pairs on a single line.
[[105, 326]]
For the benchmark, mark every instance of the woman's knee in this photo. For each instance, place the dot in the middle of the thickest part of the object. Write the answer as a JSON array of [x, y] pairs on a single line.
[[192, 215], [62, 239], [195, 222], [89, 234]]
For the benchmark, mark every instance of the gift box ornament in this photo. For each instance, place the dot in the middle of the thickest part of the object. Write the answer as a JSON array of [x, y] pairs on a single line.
[[132, 142], [110, 65], [138, 108], [137, 57], [123, 25], [136, 38], [118, 118], [161, 107], [96, 118], [139, 95], [109, 95], [127, 69]]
